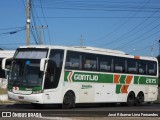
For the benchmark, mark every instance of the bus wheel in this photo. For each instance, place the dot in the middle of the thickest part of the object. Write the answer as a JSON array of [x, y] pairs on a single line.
[[140, 98], [68, 101], [131, 99]]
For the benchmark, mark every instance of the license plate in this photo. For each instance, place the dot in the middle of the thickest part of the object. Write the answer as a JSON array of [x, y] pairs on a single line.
[[20, 97]]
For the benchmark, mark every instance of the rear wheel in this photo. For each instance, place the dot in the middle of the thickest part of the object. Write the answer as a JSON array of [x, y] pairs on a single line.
[[68, 101], [140, 98], [131, 99]]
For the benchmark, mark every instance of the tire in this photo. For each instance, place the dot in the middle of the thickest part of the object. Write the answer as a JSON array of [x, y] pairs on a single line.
[[68, 101], [131, 99], [140, 98]]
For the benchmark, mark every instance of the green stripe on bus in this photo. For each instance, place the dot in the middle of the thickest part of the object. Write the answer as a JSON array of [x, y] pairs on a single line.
[[106, 78], [118, 88], [122, 79], [136, 79], [148, 80], [88, 77]]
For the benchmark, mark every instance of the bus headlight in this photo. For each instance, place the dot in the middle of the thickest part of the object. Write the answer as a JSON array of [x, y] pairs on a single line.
[[10, 90], [37, 92]]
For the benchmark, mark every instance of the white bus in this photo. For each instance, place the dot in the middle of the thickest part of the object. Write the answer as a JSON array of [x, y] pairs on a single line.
[[70, 75], [3, 73]]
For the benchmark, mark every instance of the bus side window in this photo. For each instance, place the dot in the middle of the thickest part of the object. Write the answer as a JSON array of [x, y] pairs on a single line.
[[119, 64], [152, 68], [73, 60], [142, 67], [105, 63], [131, 66], [90, 62], [87, 64]]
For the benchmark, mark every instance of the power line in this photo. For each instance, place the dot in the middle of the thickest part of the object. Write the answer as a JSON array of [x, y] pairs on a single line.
[[134, 40], [35, 34], [13, 32], [146, 47], [38, 34], [125, 22], [11, 28], [97, 17], [74, 5], [45, 22], [40, 22], [138, 25]]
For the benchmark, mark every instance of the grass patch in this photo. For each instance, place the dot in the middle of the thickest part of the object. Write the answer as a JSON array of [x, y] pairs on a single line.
[[158, 100], [13, 102], [3, 91], [6, 102]]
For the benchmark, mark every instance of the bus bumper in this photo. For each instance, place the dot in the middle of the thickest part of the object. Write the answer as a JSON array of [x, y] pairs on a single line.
[[32, 98]]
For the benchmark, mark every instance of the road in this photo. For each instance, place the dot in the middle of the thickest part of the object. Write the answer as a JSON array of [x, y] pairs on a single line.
[[85, 111]]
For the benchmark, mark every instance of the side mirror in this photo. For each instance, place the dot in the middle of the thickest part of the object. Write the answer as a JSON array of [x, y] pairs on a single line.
[[42, 63], [6, 63]]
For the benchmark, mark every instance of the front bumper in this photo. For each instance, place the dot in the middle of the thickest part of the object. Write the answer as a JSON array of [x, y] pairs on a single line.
[[32, 98]]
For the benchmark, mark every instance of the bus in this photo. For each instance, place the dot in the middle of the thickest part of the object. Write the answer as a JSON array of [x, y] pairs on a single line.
[[3, 73], [70, 75]]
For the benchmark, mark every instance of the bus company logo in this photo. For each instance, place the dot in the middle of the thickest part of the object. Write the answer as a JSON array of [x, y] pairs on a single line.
[[81, 77], [15, 88], [6, 114], [21, 114]]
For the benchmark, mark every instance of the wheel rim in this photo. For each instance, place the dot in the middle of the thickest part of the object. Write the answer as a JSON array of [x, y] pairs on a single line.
[[140, 98], [67, 100], [131, 99]]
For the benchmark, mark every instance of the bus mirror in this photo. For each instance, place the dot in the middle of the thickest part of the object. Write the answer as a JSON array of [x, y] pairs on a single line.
[[6, 63], [42, 63]]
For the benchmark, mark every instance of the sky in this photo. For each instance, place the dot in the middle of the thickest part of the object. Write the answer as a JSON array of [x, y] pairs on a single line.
[[132, 26]]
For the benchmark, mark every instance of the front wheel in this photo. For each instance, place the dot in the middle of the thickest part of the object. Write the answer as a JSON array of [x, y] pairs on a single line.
[[68, 101]]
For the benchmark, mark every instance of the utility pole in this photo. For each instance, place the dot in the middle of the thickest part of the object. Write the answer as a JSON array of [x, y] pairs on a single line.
[[28, 21], [152, 51], [40, 32], [159, 48], [81, 41]]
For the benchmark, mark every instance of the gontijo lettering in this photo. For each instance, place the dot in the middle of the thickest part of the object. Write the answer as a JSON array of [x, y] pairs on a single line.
[[86, 77]]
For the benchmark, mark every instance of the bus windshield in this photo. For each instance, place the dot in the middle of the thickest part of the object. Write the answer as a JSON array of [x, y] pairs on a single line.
[[25, 73], [25, 67]]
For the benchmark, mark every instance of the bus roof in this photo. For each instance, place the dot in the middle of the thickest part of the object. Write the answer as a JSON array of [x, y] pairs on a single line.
[[6, 53], [91, 49], [76, 47]]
